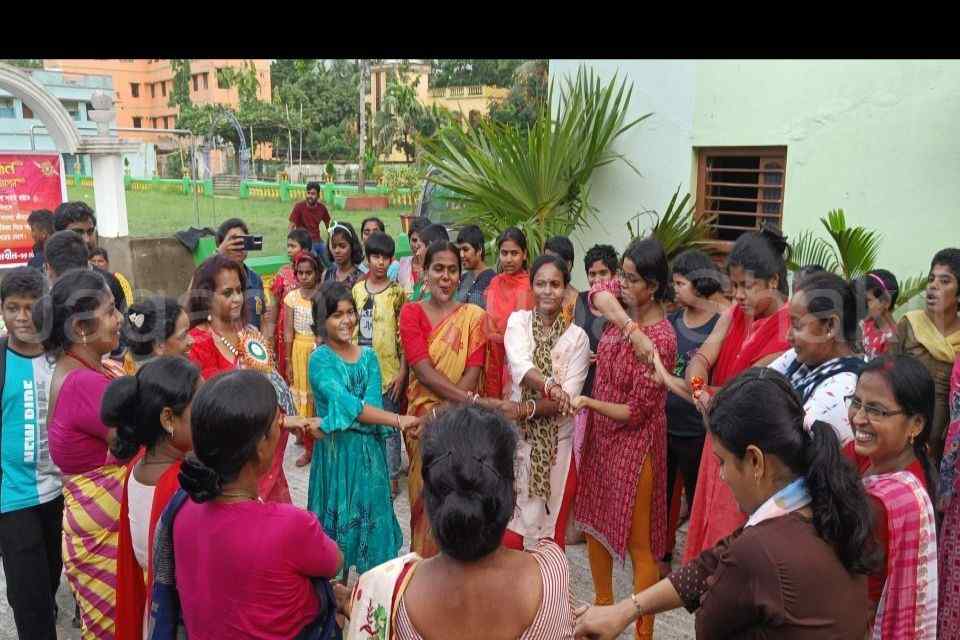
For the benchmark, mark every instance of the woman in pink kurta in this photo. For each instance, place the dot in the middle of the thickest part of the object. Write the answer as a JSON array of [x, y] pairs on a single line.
[[949, 502], [621, 498]]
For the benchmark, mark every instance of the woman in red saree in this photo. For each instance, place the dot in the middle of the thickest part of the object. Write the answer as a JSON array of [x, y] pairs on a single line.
[[508, 292], [751, 333], [444, 343], [151, 413], [222, 343]]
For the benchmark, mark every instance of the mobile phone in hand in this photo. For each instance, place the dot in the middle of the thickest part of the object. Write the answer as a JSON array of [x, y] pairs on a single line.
[[253, 243]]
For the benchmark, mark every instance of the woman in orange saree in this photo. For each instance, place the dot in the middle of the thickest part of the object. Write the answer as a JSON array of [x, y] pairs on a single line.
[[444, 343], [509, 291], [751, 333]]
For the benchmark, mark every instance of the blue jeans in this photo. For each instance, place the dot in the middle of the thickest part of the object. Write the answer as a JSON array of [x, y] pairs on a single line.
[[393, 441]]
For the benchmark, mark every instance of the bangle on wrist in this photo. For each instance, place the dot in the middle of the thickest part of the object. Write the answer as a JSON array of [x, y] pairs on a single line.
[[630, 327], [637, 609], [398, 421], [533, 409]]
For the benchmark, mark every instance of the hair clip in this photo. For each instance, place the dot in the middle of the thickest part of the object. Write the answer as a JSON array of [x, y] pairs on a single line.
[[486, 464], [136, 319]]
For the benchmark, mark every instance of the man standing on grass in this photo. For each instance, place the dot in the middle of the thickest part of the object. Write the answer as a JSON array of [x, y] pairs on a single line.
[[309, 214]]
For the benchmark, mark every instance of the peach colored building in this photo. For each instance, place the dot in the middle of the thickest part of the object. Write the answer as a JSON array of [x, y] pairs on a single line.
[[143, 87], [468, 102]]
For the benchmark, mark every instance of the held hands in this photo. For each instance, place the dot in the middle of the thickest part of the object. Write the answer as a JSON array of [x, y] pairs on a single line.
[[310, 426], [396, 388], [601, 623], [558, 395], [580, 402], [642, 346]]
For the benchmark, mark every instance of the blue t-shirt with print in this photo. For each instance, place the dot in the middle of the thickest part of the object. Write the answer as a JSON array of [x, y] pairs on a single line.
[[28, 476]]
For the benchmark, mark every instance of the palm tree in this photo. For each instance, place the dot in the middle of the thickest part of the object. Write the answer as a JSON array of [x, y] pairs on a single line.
[[537, 179], [678, 228], [852, 253]]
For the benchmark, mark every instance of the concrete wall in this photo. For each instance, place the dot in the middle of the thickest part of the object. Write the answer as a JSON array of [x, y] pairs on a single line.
[[154, 265], [875, 138]]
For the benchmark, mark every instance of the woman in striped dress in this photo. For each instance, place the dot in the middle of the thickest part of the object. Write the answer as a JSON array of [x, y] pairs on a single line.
[[82, 325], [468, 471]]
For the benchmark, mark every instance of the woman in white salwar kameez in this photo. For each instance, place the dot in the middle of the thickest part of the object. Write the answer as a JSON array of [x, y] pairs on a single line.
[[549, 358]]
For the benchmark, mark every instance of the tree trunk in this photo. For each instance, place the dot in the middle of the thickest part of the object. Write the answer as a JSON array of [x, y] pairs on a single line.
[[362, 173]]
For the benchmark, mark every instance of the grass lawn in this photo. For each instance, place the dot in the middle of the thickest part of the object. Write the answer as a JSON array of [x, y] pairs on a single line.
[[163, 214]]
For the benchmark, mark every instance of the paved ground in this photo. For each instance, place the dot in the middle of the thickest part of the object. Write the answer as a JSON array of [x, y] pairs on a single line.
[[675, 625]]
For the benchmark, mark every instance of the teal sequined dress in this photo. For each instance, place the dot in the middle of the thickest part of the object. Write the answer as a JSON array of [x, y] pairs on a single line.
[[349, 480]]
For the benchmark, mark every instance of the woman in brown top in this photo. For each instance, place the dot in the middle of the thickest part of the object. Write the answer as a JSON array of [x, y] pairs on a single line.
[[797, 568]]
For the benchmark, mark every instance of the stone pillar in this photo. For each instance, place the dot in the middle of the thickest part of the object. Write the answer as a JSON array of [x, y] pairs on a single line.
[[110, 198]]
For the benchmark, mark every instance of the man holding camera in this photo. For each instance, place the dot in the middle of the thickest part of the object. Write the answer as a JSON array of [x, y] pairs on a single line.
[[233, 241], [310, 214]]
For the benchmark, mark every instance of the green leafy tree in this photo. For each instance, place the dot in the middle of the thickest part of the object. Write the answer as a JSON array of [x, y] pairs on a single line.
[[395, 125], [527, 97], [24, 63], [463, 72], [180, 91]]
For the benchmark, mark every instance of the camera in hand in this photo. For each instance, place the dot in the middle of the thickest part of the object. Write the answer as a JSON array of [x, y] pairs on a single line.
[[253, 243]]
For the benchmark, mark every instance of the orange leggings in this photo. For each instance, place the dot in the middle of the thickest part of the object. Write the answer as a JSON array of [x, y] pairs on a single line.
[[645, 570]]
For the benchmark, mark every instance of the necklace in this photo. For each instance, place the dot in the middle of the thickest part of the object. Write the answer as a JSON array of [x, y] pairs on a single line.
[[240, 494], [86, 364], [232, 348]]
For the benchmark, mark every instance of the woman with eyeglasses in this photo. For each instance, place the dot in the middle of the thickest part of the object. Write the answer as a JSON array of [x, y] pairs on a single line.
[[891, 412], [797, 569], [345, 254]]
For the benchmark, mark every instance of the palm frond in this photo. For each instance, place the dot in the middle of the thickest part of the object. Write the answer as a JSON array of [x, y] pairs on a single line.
[[910, 288], [857, 248], [808, 249], [537, 180]]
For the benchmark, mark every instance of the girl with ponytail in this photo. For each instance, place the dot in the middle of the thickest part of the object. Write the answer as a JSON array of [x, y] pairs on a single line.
[[752, 333], [151, 414], [798, 566], [891, 412]]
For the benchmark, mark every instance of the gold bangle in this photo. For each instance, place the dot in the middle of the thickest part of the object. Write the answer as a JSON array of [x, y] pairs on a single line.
[[636, 605]]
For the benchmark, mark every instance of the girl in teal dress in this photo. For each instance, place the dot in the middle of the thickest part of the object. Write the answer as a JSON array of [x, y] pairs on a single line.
[[349, 480]]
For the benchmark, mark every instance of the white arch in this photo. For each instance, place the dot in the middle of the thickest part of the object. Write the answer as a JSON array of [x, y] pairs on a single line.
[[48, 109]]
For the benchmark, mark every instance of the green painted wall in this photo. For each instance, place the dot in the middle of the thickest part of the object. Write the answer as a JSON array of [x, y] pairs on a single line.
[[880, 139]]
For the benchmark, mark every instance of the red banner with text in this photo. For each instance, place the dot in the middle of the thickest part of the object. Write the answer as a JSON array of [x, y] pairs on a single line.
[[28, 181]]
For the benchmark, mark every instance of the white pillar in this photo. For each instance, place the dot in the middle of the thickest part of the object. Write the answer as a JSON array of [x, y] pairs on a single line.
[[110, 200], [109, 196]]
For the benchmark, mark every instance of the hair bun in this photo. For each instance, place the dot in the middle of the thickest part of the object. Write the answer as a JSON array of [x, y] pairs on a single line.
[[776, 238], [200, 481]]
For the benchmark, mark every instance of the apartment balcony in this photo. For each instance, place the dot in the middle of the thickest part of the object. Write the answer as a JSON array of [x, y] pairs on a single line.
[[472, 91]]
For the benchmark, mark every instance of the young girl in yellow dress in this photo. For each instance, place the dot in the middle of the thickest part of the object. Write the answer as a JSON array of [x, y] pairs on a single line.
[[299, 339]]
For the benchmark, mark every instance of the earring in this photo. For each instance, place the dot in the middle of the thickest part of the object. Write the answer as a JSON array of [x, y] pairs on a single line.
[[913, 437], [209, 318], [83, 338]]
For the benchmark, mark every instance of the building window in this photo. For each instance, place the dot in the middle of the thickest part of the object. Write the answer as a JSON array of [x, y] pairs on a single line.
[[741, 188], [163, 88], [135, 89], [153, 90], [196, 81], [137, 122], [73, 108], [166, 122], [221, 80], [6, 108], [205, 80], [155, 123], [27, 111]]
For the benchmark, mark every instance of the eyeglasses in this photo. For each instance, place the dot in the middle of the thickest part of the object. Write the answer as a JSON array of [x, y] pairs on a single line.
[[629, 278], [873, 412]]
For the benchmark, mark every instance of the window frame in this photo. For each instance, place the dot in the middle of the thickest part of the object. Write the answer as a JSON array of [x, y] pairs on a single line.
[[134, 89], [764, 154], [137, 122]]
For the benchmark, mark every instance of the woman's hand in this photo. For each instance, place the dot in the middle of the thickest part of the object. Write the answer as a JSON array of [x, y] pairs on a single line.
[[580, 402], [558, 395], [408, 422], [300, 425], [605, 302], [642, 346], [603, 623], [343, 595], [702, 399]]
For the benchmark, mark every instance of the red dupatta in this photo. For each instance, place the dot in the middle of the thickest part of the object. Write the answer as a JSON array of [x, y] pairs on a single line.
[[131, 588], [715, 513], [506, 294]]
